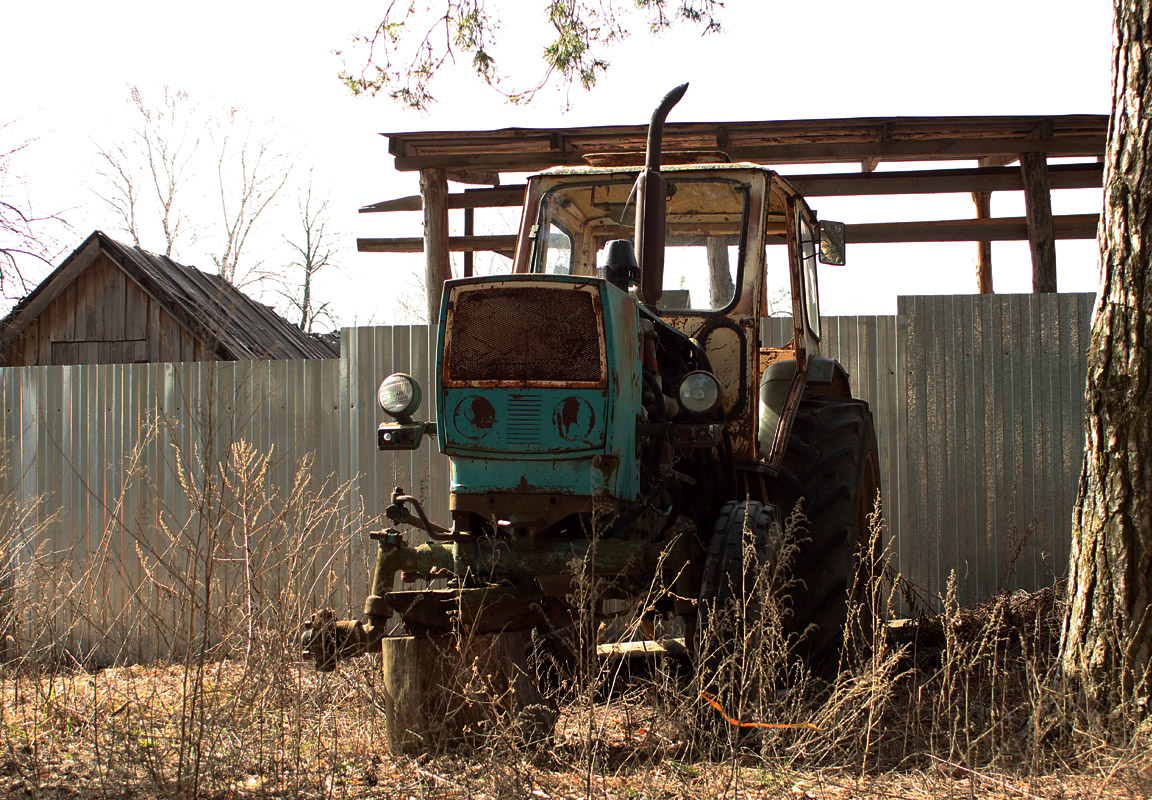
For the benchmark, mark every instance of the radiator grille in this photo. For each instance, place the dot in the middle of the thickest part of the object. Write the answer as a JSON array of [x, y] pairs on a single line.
[[524, 334], [523, 427]]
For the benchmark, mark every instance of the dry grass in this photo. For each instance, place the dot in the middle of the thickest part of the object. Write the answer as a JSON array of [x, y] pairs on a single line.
[[967, 703]]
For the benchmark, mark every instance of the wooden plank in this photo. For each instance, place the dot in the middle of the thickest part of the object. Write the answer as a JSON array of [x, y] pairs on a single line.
[[44, 337], [112, 312], [87, 352], [616, 138], [929, 181], [64, 316], [485, 177], [1041, 235], [31, 357], [438, 268], [169, 337], [456, 244], [942, 181], [187, 346], [496, 197], [1069, 226], [155, 332], [957, 148], [88, 300], [135, 311]]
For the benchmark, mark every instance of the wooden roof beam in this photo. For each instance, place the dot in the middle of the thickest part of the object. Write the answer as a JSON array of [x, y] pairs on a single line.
[[928, 181], [996, 229], [942, 181], [768, 153], [499, 197], [1071, 226], [456, 244]]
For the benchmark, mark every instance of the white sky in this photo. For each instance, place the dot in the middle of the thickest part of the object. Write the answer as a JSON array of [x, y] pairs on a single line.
[[68, 65]]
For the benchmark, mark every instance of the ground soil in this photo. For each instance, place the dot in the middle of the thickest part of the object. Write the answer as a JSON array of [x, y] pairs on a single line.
[[278, 730]]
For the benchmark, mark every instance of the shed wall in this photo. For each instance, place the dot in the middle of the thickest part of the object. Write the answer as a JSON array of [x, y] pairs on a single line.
[[104, 317]]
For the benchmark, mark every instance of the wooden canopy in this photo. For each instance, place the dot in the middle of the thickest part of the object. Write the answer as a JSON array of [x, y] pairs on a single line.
[[994, 143]]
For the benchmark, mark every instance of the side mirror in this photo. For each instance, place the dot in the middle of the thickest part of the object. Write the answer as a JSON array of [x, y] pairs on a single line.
[[832, 243]]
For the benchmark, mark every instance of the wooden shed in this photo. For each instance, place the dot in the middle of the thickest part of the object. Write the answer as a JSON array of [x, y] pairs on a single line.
[[109, 303]]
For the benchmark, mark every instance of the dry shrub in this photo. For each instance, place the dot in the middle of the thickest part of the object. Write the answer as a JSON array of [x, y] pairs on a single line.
[[216, 594], [969, 697]]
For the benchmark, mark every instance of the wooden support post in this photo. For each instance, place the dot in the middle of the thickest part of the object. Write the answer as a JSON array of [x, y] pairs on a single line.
[[437, 269], [469, 225], [442, 690], [983, 201], [1038, 203]]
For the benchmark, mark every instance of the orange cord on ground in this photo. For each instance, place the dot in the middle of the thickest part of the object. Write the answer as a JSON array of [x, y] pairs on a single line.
[[737, 723]]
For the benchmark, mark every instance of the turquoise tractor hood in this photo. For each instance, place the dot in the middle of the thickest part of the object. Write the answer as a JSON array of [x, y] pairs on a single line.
[[540, 386]]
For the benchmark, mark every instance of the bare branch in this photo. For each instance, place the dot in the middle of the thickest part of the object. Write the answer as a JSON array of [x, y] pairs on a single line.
[[250, 173], [24, 233], [315, 250], [402, 62], [159, 153]]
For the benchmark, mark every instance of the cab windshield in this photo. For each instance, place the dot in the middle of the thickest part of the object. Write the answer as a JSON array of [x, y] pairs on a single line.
[[705, 243]]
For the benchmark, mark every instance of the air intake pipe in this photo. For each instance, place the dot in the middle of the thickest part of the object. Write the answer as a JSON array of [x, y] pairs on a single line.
[[651, 205]]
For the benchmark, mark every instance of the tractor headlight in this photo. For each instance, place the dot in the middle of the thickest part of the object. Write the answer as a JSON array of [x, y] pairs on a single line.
[[399, 395], [699, 392]]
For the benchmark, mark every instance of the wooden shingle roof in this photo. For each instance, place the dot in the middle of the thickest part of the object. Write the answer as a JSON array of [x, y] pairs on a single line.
[[234, 326]]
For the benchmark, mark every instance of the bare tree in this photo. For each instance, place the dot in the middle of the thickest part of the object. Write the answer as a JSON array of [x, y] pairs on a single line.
[[250, 174], [315, 248], [161, 170], [145, 175], [24, 233], [411, 45]]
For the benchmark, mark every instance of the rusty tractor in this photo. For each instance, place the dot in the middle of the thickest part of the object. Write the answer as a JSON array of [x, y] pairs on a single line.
[[611, 415]]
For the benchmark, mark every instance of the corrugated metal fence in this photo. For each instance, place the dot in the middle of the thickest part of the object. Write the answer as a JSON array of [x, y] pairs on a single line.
[[111, 490]]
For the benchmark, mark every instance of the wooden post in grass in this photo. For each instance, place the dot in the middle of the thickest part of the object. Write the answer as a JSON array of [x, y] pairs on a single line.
[[446, 689]]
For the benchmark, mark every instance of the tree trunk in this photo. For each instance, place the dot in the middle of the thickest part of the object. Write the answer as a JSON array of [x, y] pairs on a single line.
[[1107, 638]]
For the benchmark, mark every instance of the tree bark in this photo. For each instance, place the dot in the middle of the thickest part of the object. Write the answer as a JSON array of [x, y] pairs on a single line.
[[1107, 637]]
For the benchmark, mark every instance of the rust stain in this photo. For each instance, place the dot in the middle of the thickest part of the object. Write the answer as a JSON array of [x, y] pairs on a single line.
[[569, 414], [607, 464]]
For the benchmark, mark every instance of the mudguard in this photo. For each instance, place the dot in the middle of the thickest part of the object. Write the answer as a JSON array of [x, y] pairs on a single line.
[[826, 377]]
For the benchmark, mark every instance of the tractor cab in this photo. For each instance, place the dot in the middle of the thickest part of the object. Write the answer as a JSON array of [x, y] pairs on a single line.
[[735, 235]]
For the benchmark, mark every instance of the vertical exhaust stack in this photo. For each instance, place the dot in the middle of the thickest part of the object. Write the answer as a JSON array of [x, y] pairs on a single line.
[[651, 205]]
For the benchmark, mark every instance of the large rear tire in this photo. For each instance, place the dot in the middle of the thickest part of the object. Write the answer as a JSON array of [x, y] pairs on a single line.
[[831, 465]]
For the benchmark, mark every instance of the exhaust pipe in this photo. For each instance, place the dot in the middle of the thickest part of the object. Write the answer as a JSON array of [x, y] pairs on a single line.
[[651, 204]]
